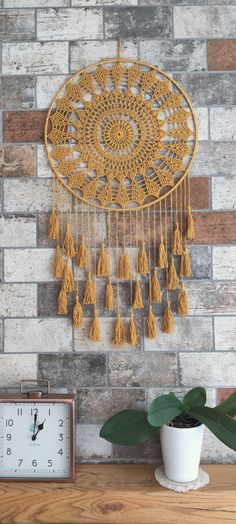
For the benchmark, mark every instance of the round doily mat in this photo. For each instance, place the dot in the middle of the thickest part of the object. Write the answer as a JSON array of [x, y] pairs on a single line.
[[181, 487]]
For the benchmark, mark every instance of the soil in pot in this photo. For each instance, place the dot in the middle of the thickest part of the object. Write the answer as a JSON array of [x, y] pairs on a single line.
[[184, 421]]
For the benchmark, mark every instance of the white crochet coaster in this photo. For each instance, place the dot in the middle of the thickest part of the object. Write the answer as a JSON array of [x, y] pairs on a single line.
[[181, 487]]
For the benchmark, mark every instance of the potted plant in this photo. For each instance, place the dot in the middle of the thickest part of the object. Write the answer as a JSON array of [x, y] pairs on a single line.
[[181, 426]]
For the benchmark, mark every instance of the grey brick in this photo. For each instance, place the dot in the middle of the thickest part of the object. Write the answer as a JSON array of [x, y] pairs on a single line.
[[191, 333], [149, 451], [1, 336], [47, 299], [215, 158], [207, 369], [89, 446], [211, 297], [107, 326], [223, 123], [16, 93], [17, 231], [1, 257], [38, 58], [174, 55], [204, 22], [149, 369], [97, 405], [209, 88], [224, 262], [68, 24], [142, 22], [87, 3], [17, 24], [16, 368], [85, 53], [17, 160], [36, 3], [27, 196], [73, 370], [224, 192], [28, 265], [18, 300], [225, 333], [200, 261], [37, 335]]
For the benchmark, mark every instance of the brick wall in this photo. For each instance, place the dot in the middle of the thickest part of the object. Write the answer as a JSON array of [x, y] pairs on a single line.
[[43, 41]]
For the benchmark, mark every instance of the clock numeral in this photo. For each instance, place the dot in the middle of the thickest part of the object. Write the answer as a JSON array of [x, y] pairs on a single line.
[[8, 451], [60, 452], [20, 462], [8, 436], [50, 463], [19, 411], [34, 463], [61, 422], [61, 437], [9, 422]]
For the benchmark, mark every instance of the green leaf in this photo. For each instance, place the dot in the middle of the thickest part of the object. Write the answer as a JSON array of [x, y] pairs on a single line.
[[223, 427], [228, 407], [164, 409], [128, 427], [195, 397]]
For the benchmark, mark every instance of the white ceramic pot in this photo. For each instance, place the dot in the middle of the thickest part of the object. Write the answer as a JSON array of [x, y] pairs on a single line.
[[181, 451]]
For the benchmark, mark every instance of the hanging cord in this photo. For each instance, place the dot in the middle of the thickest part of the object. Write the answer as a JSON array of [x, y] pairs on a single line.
[[156, 294], [133, 337], [151, 321], [119, 335], [168, 318], [90, 291], [182, 298], [77, 315], [138, 300], [109, 295], [172, 282], [117, 265], [190, 223], [94, 331]]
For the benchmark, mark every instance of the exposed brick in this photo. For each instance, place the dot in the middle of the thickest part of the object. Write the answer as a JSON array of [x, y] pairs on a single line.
[[23, 126], [207, 369], [68, 24], [46, 87], [223, 123], [149, 369], [87, 3], [213, 450], [82, 369], [97, 405], [38, 335], [130, 22], [89, 445], [209, 88], [190, 334], [214, 158], [44, 168], [17, 93], [175, 55], [84, 53], [221, 54], [36, 3], [28, 265], [224, 262], [35, 58], [224, 192], [27, 195], [216, 227], [17, 24], [17, 160], [17, 231], [204, 22], [200, 193], [224, 393], [1, 336], [107, 326], [47, 299], [17, 368], [18, 300], [207, 298], [149, 451], [225, 333]]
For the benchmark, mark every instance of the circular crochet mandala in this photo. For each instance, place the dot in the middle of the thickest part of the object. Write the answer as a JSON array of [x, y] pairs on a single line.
[[120, 134]]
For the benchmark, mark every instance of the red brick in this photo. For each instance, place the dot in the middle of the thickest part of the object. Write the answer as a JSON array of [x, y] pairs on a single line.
[[23, 126], [17, 160], [223, 393], [221, 55], [216, 227]]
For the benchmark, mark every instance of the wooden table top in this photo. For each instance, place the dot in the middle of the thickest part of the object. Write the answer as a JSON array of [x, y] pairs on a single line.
[[119, 494]]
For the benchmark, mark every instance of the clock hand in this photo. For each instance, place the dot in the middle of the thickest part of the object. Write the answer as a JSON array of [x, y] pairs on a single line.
[[35, 420], [40, 427]]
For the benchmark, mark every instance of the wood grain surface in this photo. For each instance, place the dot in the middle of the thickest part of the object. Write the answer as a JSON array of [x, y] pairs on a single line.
[[119, 494]]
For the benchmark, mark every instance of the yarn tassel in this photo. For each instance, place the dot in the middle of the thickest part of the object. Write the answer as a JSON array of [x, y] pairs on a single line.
[[103, 268], [182, 301], [156, 293], [62, 302], [172, 282], [177, 244], [69, 242], [190, 225], [77, 314], [133, 337], [119, 337], [143, 261], [151, 325], [81, 255], [53, 226], [90, 291], [68, 279], [124, 270], [138, 299], [57, 270], [185, 264], [94, 330], [162, 256], [168, 319], [109, 296]]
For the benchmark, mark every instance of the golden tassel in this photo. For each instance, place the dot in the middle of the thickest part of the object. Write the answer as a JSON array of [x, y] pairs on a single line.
[[133, 337], [151, 325], [109, 296], [124, 270], [156, 293], [53, 226], [119, 337], [138, 299], [69, 242], [143, 261], [94, 330], [168, 319], [68, 279], [177, 244], [77, 314], [173, 281], [57, 270], [103, 268], [81, 255], [90, 291], [62, 302], [190, 225], [182, 301], [162, 256], [185, 264]]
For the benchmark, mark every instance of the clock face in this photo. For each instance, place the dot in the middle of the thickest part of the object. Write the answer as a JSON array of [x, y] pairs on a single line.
[[35, 440]]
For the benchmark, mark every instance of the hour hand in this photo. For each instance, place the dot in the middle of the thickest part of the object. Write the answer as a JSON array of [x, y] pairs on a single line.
[[40, 427]]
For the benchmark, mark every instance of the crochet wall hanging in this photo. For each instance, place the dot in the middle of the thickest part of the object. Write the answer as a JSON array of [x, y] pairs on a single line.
[[120, 137]]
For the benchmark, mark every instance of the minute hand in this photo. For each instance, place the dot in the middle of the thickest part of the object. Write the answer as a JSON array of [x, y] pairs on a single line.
[[40, 427]]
